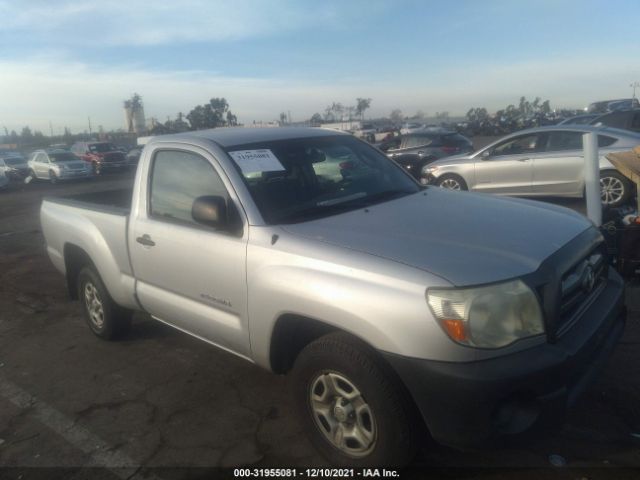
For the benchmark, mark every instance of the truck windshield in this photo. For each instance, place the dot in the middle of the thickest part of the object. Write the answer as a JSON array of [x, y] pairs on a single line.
[[101, 147], [301, 179]]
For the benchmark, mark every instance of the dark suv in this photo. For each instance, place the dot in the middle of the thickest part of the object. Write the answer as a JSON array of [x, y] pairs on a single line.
[[415, 150], [101, 155], [623, 119]]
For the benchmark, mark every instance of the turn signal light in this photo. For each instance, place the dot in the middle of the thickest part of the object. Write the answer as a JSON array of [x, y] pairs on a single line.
[[455, 329]]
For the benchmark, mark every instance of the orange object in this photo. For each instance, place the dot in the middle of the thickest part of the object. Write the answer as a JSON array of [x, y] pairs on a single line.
[[455, 329]]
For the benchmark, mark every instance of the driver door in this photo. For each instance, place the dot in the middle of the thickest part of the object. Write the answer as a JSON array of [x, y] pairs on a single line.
[[507, 168]]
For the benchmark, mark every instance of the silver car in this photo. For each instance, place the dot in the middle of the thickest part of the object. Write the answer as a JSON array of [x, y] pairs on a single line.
[[54, 165], [545, 161]]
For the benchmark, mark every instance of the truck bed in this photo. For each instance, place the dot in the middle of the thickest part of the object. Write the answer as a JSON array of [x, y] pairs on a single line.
[[95, 223], [109, 201]]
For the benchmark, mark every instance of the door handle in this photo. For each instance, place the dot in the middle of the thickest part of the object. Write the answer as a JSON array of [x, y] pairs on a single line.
[[523, 159], [145, 240]]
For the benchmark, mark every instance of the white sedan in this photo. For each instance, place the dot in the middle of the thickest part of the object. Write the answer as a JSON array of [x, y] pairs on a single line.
[[54, 165]]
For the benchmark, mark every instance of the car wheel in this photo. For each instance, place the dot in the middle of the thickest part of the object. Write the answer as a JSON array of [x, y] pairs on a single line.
[[53, 178], [452, 182], [356, 411], [614, 189], [105, 318]]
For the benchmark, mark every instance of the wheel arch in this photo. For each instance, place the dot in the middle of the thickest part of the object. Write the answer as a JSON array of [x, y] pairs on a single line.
[[75, 258]]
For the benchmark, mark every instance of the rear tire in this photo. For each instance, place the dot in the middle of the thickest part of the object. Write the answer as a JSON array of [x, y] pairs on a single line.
[[354, 408], [615, 189], [451, 181], [106, 319]]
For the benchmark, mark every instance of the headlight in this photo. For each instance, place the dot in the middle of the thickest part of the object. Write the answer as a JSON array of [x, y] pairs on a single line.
[[487, 317], [428, 169]]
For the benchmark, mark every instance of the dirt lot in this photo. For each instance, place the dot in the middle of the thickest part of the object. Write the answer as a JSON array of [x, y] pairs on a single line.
[[162, 399]]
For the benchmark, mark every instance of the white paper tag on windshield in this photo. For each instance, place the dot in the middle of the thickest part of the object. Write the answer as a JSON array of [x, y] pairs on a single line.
[[252, 161]]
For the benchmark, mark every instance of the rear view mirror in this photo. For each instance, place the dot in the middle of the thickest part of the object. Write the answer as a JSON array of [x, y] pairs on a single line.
[[210, 210]]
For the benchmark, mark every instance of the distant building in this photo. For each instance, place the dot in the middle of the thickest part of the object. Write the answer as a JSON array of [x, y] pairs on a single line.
[[134, 115]]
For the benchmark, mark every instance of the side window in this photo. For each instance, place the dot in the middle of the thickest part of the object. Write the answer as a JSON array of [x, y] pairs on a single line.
[[177, 179], [604, 141], [559, 141], [517, 146], [41, 158], [417, 141]]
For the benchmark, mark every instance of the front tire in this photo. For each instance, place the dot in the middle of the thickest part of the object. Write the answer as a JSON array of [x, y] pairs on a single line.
[[451, 181], [615, 189], [353, 406], [106, 319], [53, 178]]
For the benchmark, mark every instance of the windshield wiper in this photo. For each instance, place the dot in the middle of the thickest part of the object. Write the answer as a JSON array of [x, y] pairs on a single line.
[[324, 209], [382, 196]]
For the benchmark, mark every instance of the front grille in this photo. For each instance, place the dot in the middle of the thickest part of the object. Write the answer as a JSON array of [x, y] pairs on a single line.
[[579, 286], [113, 157]]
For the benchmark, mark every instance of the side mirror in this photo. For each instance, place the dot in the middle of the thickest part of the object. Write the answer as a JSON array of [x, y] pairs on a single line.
[[486, 154], [210, 210]]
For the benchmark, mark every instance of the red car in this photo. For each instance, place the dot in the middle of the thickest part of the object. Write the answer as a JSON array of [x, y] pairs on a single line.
[[102, 155]]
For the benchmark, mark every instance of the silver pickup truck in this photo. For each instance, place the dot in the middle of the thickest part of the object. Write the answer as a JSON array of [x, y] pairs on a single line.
[[394, 306]]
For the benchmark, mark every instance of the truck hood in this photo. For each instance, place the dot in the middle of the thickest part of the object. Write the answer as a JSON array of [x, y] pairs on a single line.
[[465, 238]]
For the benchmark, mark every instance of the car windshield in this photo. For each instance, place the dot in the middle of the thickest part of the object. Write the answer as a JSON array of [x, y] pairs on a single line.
[[297, 180], [13, 160], [62, 157], [101, 147]]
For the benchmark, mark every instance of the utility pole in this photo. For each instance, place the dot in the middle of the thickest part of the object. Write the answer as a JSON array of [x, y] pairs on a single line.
[[50, 129], [634, 85], [89, 118]]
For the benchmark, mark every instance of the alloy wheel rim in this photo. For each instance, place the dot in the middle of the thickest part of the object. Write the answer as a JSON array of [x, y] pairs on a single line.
[[450, 184], [94, 305], [611, 190], [342, 414]]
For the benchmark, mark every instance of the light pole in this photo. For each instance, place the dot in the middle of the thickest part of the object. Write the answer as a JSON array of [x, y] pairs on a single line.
[[634, 85]]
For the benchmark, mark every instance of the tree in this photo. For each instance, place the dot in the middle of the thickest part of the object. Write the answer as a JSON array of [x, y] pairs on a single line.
[[316, 119], [283, 118], [396, 116], [26, 137], [334, 112], [545, 107], [214, 114], [362, 104]]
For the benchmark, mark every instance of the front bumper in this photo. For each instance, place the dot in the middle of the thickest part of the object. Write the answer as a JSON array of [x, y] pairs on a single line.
[[113, 165], [17, 174], [471, 405], [70, 174]]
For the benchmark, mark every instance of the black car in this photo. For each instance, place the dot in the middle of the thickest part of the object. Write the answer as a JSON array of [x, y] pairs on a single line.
[[623, 119], [415, 150]]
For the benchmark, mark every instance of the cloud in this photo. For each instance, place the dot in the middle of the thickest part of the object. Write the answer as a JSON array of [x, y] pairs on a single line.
[[162, 22]]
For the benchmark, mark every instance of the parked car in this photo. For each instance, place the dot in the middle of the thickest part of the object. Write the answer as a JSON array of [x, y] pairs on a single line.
[[580, 119], [389, 304], [14, 166], [102, 156], [415, 150], [411, 127], [605, 106], [55, 165], [133, 156], [624, 119], [537, 162]]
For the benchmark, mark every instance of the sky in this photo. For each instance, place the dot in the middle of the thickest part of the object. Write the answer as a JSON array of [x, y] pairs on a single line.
[[62, 61]]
